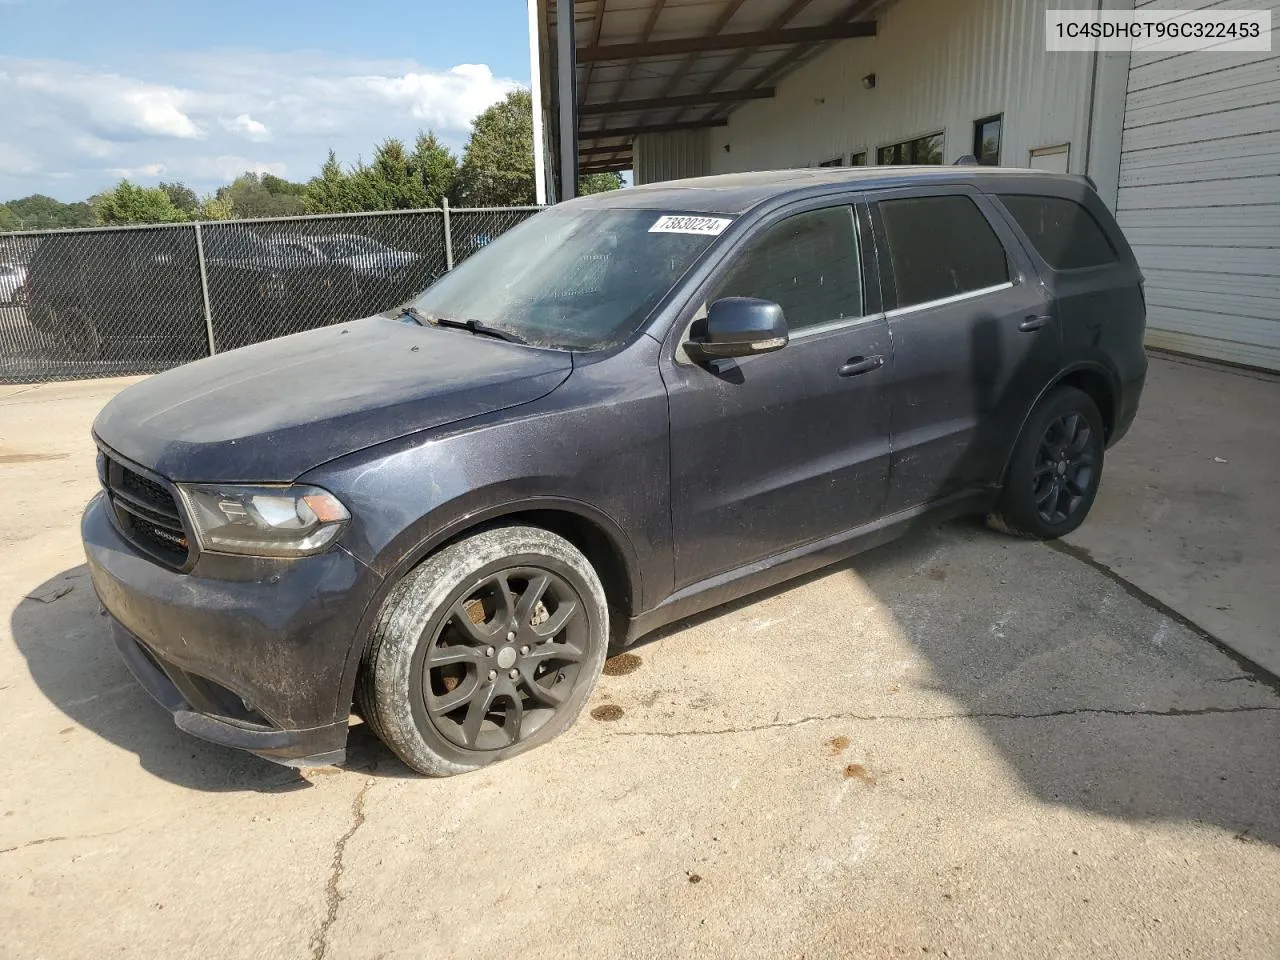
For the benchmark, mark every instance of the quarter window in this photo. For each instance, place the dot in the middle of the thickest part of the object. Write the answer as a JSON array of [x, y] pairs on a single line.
[[920, 150], [833, 162], [1063, 232], [858, 159], [940, 247], [808, 264]]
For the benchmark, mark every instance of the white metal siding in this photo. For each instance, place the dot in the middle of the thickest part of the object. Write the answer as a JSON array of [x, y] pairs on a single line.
[[1199, 195], [939, 65], [670, 156]]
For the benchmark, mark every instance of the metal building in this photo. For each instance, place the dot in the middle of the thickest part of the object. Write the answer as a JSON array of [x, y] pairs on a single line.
[[1185, 147]]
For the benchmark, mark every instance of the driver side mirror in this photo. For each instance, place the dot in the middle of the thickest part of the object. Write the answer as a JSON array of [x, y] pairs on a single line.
[[738, 327]]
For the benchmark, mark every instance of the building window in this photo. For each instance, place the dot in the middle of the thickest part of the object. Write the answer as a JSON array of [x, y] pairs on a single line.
[[833, 162], [940, 247], [986, 140], [920, 150], [1061, 230], [858, 159]]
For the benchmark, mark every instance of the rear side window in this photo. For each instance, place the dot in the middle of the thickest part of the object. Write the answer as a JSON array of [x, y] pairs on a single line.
[[808, 264], [1063, 232], [940, 247]]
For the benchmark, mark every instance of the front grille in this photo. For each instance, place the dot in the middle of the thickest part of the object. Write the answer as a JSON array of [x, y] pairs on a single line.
[[147, 514]]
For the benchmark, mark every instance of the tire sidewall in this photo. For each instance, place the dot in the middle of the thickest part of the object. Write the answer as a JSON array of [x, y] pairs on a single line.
[[1018, 507], [420, 611]]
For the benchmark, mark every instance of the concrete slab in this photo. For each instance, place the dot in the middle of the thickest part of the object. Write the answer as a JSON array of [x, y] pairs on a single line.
[[960, 745], [1187, 509]]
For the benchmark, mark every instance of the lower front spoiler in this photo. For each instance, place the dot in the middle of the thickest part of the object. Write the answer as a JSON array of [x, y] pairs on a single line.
[[311, 747]]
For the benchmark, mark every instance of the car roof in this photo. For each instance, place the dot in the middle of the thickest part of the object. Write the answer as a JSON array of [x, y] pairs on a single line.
[[735, 193]]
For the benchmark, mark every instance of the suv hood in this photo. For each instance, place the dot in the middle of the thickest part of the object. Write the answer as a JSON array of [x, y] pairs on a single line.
[[272, 411]]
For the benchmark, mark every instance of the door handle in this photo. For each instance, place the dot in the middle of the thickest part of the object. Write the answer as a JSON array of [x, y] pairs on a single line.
[[856, 365], [1034, 323]]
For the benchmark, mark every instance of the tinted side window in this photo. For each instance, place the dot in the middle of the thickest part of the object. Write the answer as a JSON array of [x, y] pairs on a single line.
[[941, 246], [1061, 230], [808, 264]]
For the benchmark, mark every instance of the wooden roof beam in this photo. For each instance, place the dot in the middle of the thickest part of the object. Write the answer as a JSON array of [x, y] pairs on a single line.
[[692, 100], [727, 41]]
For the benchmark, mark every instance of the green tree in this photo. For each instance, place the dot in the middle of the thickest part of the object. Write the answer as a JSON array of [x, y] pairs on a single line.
[[213, 207], [329, 192], [128, 203], [497, 165], [8, 219], [182, 197], [38, 212], [263, 195], [436, 165], [598, 183]]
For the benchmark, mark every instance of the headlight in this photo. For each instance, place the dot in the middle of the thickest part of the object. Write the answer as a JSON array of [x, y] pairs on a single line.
[[293, 521]]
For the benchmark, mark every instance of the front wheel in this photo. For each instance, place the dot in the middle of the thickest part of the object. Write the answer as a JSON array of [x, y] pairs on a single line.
[[1055, 469], [484, 650]]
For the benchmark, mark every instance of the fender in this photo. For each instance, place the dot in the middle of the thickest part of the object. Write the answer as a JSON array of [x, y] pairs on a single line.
[[393, 569], [1091, 366]]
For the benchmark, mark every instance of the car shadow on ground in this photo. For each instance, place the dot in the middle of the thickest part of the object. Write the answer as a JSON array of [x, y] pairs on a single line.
[[1098, 697], [64, 637]]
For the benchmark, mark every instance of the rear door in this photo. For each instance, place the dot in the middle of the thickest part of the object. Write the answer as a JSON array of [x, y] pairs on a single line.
[[775, 451], [975, 339]]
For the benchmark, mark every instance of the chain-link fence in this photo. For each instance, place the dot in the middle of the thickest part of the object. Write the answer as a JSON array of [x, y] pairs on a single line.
[[123, 300]]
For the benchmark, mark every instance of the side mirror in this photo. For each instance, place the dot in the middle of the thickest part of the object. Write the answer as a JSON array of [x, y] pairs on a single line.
[[738, 327]]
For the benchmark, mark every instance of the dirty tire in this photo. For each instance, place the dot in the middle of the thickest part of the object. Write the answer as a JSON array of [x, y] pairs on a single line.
[[398, 689], [1022, 509]]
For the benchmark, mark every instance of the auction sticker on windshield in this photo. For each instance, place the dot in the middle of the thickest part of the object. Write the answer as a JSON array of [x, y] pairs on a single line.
[[703, 226]]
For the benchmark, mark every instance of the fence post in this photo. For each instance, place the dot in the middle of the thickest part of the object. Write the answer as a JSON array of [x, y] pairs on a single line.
[[448, 235], [204, 291]]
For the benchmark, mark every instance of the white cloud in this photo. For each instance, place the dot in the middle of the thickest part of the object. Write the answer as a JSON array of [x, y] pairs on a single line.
[[247, 127], [144, 171], [192, 117], [450, 100]]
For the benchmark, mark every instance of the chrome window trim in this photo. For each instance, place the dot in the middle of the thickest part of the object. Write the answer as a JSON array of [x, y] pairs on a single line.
[[831, 325], [955, 298]]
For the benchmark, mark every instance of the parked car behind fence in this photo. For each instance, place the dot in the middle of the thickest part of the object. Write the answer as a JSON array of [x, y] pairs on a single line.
[[112, 301]]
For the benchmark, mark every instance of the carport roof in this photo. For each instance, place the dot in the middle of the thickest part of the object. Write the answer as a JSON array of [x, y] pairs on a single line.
[[661, 65]]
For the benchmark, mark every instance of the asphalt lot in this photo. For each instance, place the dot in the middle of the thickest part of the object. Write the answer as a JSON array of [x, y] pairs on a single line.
[[959, 745]]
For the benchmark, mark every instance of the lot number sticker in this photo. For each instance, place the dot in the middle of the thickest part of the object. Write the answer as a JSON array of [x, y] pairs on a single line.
[[703, 226]]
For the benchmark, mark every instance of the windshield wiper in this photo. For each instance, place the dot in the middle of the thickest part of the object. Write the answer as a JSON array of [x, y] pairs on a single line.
[[475, 326], [414, 314]]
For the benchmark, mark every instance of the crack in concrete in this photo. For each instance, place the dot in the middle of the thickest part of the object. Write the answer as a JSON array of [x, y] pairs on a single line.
[[58, 839], [908, 718], [333, 898]]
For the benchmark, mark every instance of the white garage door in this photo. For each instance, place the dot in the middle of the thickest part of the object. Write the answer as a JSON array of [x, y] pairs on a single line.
[[1200, 195]]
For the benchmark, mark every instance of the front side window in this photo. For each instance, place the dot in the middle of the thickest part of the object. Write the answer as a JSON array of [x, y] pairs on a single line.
[[1063, 232], [574, 278], [940, 247], [808, 264]]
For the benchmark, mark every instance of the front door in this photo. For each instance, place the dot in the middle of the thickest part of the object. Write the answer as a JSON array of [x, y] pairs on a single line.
[[975, 340], [775, 451]]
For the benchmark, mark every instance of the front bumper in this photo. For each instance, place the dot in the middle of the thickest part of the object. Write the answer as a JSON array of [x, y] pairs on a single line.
[[245, 653]]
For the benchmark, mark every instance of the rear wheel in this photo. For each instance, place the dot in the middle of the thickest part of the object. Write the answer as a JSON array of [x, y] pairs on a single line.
[[1055, 469], [486, 649]]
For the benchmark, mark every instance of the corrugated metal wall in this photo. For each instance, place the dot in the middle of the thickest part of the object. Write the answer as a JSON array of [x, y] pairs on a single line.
[[670, 156], [1200, 195], [939, 65]]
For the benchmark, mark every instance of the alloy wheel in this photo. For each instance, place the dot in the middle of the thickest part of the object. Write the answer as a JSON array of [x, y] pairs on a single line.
[[1065, 469], [505, 658]]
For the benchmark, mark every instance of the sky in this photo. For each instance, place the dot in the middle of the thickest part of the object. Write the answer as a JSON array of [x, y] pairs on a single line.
[[92, 91]]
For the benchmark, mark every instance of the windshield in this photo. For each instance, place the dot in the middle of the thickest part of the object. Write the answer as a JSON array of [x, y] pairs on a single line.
[[579, 279]]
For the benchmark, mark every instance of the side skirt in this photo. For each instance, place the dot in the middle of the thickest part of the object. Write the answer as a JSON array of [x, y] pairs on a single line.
[[763, 574]]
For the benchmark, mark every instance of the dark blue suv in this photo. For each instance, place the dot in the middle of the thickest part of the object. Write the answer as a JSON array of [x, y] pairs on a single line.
[[629, 408]]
